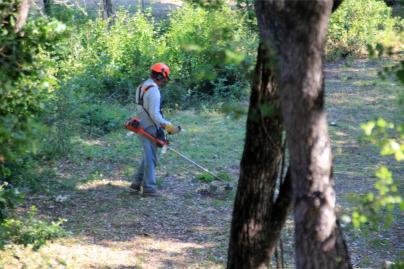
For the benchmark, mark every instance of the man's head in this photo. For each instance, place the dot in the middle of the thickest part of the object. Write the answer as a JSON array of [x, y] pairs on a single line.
[[160, 73]]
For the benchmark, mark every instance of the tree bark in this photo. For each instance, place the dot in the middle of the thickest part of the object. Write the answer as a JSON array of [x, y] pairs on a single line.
[[47, 6], [296, 30], [108, 11], [257, 220], [22, 14], [390, 2]]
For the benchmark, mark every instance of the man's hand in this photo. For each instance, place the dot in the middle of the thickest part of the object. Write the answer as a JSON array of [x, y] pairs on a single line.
[[171, 129]]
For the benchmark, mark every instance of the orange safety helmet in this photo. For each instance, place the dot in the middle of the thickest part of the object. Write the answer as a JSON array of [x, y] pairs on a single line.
[[161, 68]]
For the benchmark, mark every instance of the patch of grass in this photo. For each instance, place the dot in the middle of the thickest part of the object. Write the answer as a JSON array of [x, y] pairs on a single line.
[[224, 176], [128, 170], [364, 83], [205, 177], [218, 202]]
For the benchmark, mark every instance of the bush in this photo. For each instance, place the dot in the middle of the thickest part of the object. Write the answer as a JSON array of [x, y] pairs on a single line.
[[112, 60], [358, 23], [30, 230], [207, 47], [202, 47], [67, 14], [9, 197], [26, 82], [101, 118]]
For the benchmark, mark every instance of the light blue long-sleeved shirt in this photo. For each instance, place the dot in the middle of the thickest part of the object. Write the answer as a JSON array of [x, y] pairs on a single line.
[[151, 102]]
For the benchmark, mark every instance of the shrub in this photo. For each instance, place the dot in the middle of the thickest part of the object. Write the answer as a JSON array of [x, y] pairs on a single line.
[[207, 46], [9, 197], [358, 23], [68, 14], [201, 46], [100, 118], [30, 230], [110, 60], [205, 177], [26, 81]]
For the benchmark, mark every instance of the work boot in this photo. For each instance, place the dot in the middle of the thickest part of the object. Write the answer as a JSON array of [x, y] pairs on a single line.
[[151, 193], [135, 187]]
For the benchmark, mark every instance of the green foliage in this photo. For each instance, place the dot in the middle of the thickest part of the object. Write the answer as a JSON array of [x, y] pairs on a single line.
[[208, 4], [30, 230], [24, 90], [235, 110], [387, 136], [378, 206], [27, 77], [111, 60], [209, 48], [396, 70], [101, 118], [69, 15], [205, 177], [209, 53], [224, 176], [9, 197], [397, 265], [358, 23], [247, 8]]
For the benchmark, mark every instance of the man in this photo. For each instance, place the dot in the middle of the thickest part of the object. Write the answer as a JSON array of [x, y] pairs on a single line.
[[151, 120]]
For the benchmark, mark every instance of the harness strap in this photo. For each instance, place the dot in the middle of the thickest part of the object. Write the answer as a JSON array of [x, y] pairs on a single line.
[[140, 96], [140, 102]]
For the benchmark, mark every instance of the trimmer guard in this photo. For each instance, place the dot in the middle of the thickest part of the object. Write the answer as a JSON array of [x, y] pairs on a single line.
[[133, 124]]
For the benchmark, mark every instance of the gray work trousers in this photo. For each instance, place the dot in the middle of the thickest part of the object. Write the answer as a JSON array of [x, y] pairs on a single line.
[[145, 174]]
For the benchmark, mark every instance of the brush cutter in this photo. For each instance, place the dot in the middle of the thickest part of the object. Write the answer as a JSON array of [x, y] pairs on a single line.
[[133, 124]]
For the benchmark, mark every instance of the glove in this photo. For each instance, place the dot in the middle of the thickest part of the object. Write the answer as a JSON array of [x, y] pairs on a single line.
[[171, 129]]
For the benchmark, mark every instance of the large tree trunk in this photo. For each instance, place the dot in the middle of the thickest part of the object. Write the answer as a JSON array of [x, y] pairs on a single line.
[[257, 220], [296, 30]]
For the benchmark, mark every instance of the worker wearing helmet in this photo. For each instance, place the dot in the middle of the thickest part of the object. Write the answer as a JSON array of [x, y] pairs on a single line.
[[152, 121]]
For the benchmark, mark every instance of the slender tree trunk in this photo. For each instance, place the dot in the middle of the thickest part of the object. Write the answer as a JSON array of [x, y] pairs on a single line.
[[390, 2], [257, 220], [22, 14], [47, 6], [108, 11], [297, 30]]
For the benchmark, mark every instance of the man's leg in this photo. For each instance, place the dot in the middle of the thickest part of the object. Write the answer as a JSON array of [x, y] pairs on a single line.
[[149, 163], [138, 177]]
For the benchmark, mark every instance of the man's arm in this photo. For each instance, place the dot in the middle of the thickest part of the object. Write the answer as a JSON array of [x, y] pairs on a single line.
[[153, 98]]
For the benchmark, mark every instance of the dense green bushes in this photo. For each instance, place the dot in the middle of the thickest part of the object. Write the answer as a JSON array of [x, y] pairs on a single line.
[[27, 79], [358, 23], [30, 230], [27, 83], [210, 51], [203, 49]]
